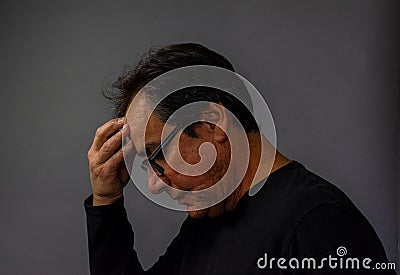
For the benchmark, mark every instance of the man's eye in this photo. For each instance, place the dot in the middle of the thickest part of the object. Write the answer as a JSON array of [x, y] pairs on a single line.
[[149, 152], [160, 156]]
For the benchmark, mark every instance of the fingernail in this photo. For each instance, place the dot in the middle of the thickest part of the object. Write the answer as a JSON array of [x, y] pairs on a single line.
[[124, 128], [120, 120]]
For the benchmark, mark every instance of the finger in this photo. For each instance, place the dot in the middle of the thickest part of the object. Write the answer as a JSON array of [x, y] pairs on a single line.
[[109, 148], [127, 145], [128, 151], [104, 131], [115, 160], [126, 133]]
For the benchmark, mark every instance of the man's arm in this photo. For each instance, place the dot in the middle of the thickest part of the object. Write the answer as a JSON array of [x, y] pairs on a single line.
[[110, 234], [111, 241], [110, 238]]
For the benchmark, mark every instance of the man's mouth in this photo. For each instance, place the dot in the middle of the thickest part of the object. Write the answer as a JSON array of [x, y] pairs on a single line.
[[182, 200], [187, 198], [175, 194]]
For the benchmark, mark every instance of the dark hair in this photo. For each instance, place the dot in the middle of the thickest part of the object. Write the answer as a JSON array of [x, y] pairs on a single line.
[[159, 61]]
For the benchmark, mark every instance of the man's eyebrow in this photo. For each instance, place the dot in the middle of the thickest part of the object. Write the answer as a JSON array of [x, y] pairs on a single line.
[[149, 148]]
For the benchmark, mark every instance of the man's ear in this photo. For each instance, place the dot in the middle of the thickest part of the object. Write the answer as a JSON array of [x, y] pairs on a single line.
[[216, 120]]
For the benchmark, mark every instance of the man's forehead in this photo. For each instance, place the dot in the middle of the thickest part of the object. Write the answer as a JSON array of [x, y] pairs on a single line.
[[139, 104], [145, 128], [138, 111]]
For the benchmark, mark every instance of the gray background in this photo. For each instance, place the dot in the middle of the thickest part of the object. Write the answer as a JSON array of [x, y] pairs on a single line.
[[328, 70]]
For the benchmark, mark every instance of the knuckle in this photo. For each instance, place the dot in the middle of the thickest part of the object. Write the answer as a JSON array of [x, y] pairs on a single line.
[[99, 132], [111, 163], [92, 165], [106, 148], [115, 160], [89, 154]]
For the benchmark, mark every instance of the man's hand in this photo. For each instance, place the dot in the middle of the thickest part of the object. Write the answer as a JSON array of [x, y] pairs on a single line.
[[108, 174]]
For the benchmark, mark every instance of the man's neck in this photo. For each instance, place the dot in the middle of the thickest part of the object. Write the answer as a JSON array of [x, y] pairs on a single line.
[[264, 160]]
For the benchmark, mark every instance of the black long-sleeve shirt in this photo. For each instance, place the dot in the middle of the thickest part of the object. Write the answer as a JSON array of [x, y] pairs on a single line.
[[296, 214]]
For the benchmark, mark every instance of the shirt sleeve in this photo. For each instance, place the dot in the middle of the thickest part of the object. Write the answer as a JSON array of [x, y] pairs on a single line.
[[111, 240], [339, 232]]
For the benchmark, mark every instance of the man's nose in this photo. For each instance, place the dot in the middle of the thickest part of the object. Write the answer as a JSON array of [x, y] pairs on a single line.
[[155, 184]]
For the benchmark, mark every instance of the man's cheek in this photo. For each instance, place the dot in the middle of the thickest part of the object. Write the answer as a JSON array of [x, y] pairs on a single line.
[[190, 154]]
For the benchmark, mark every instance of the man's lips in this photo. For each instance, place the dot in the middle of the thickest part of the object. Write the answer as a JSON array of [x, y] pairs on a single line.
[[178, 197], [183, 200], [186, 197], [174, 193]]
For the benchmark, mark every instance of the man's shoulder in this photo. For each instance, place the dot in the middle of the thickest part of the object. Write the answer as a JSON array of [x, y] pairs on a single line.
[[294, 197], [297, 186], [293, 191]]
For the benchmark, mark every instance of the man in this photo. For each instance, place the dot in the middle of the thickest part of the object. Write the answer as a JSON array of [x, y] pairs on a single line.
[[295, 215]]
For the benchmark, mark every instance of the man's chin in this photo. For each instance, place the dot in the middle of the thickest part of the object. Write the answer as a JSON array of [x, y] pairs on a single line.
[[212, 212], [196, 214]]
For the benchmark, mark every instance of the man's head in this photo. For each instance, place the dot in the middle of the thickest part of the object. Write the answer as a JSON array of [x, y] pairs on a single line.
[[154, 64]]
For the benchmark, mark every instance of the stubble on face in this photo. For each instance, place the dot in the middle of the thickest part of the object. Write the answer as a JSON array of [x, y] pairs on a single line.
[[189, 150], [212, 177]]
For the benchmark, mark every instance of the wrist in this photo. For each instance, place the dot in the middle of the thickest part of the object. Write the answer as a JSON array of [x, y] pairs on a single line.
[[100, 200]]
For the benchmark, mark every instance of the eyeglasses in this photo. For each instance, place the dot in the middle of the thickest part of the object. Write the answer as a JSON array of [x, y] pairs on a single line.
[[150, 162]]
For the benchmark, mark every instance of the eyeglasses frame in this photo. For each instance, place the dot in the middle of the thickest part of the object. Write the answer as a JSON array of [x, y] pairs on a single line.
[[151, 160]]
